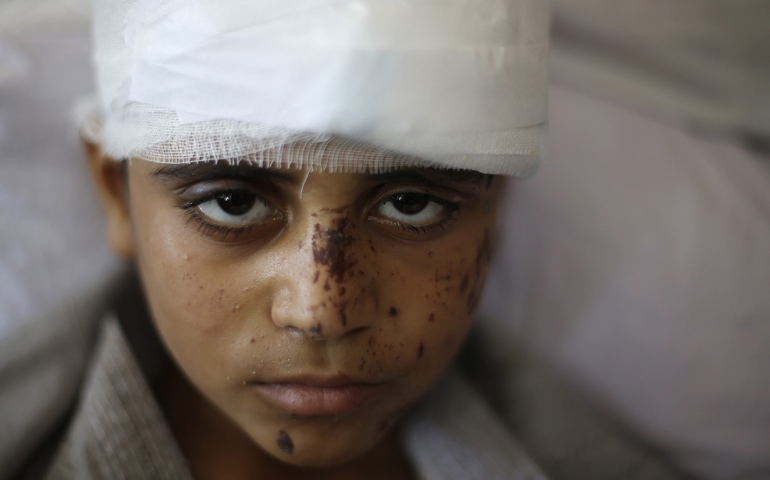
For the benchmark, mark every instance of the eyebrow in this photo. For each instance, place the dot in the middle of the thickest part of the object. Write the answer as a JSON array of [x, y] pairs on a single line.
[[205, 170]]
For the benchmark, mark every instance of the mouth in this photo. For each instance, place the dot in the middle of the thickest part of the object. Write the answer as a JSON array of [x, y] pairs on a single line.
[[320, 397]]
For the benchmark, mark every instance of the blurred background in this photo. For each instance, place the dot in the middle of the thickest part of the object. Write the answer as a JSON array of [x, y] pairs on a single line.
[[633, 272]]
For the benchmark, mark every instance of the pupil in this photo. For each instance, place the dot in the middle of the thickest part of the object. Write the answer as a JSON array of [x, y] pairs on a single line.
[[236, 203], [410, 203]]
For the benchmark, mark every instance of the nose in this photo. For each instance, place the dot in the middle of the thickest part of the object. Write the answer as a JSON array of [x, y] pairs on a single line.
[[324, 289]]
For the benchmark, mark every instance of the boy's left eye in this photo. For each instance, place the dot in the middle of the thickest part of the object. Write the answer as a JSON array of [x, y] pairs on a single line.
[[235, 208], [413, 208]]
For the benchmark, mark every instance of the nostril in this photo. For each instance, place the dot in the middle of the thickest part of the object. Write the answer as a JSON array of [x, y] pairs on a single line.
[[292, 329], [357, 330], [318, 332]]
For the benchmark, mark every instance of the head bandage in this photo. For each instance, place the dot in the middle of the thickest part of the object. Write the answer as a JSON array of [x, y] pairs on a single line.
[[354, 85]]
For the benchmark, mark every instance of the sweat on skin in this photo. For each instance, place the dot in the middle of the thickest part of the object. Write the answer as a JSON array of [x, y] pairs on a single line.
[[307, 332]]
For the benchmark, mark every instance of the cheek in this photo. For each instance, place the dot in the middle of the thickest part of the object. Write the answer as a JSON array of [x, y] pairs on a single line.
[[196, 301], [432, 301]]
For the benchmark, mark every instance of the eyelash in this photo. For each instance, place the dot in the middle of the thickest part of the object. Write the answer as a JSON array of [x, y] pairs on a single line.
[[232, 233], [207, 228], [424, 230], [442, 225]]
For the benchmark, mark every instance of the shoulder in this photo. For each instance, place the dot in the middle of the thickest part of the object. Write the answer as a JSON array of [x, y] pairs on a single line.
[[42, 365]]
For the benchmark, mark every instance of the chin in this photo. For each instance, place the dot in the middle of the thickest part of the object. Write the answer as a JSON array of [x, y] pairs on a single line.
[[328, 446], [314, 459]]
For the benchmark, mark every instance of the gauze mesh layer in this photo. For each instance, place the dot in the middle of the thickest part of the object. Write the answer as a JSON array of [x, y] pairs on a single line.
[[452, 83]]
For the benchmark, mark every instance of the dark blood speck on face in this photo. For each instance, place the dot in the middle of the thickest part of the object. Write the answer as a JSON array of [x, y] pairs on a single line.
[[331, 251], [393, 311], [284, 442]]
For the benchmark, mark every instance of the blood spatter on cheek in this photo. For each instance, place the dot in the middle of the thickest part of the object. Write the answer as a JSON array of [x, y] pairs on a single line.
[[393, 312], [459, 284], [285, 443], [442, 282]]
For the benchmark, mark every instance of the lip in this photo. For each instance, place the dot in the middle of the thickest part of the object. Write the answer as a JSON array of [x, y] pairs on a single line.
[[317, 397]]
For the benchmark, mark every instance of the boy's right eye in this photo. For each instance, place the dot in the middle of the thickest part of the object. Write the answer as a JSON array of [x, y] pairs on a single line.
[[234, 208], [226, 209]]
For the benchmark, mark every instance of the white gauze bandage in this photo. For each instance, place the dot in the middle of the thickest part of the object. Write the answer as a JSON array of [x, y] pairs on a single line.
[[353, 85]]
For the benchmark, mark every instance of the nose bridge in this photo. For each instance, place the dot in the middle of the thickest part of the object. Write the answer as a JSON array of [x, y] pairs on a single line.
[[323, 294], [332, 252]]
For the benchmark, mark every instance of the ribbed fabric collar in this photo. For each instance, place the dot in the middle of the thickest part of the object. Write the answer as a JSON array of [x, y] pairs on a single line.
[[118, 431]]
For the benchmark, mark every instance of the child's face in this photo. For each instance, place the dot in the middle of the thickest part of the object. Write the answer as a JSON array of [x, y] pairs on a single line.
[[313, 311]]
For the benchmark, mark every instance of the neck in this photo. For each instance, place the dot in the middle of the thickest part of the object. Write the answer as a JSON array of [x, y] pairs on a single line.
[[216, 449]]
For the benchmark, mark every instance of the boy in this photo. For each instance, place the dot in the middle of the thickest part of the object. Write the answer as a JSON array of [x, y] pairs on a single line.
[[309, 199]]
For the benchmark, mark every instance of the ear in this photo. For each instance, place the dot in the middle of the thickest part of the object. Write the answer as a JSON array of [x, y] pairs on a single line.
[[112, 185]]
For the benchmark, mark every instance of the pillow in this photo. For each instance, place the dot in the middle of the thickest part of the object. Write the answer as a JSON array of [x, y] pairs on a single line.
[[637, 264]]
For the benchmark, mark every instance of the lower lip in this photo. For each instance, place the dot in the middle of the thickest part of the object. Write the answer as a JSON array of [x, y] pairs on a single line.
[[301, 399]]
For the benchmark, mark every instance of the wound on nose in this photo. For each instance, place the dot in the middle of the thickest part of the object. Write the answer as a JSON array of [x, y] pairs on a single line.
[[329, 246]]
